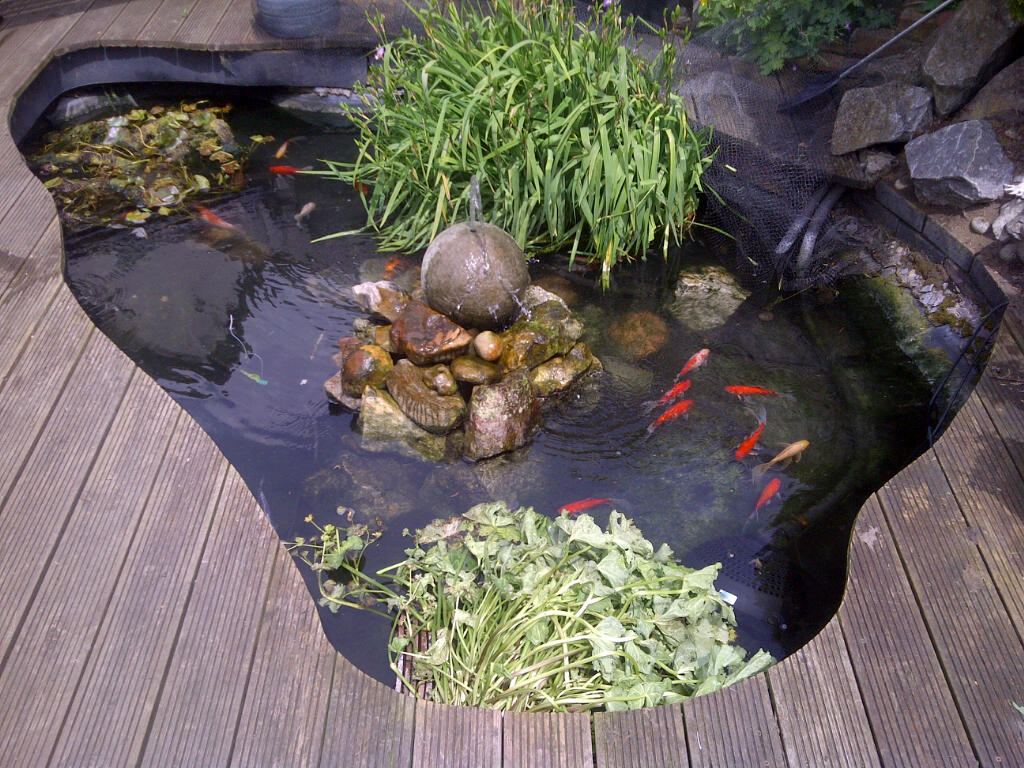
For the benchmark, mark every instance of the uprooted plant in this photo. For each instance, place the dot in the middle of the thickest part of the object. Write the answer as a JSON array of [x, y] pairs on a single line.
[[577, 140], [524, 612]]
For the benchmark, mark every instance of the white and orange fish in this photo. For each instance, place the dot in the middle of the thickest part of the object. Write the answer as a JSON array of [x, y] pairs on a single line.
[[695, 362], [791, 452]]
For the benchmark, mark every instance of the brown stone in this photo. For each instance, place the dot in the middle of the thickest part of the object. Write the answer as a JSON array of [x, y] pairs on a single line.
[[487, 345], [427, 337], [501, 416], [382, 298], [336, 393], [473, 370], [410, 386], [639, 334], [365, 367]]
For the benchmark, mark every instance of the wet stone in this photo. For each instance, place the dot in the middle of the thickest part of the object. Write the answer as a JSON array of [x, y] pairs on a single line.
[[487, 345], [410, 387], [439, 378], [384, 426], [558, 373], [550, 329], [639, 334], [365, 367], [427, 337], [473, 370], [501, 416], [336, 393], [382, 298]]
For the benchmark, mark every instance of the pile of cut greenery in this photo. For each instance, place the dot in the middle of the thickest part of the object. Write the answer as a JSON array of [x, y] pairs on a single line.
[[127, 168], [578, 141], [528, 613]]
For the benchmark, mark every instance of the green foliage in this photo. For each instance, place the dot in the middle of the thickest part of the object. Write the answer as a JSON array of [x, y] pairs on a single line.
[[770, 31], [577, 141], [525, 612], [1016, 9]]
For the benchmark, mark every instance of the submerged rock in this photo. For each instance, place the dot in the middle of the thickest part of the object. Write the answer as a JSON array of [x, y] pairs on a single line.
[[706, 297], [501, 416], [426, 336], [639, 334], [410, 386], [475, 274], [384, 426]]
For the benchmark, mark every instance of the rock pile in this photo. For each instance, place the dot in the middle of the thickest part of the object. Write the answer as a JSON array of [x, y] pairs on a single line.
[[429, 387]]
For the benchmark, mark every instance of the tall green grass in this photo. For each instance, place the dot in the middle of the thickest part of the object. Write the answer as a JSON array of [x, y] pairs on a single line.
[[578, 142]]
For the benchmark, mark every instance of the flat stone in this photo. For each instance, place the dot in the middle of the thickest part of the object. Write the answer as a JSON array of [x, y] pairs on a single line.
[[427, 337], [384, 426], [410, 386], [473, 370], [1003, 94], [382, 298], [558, 373], [501, 416], [959, 165], [968, 49], [336, 393], [880, 115]]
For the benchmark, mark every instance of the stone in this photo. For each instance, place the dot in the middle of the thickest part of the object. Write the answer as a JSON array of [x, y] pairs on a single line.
[[382, 298], [384, 426], [427, 337], [1008, 253], [336, 393], [475, 273], [558, 373], [1009, 221], [365, 367], [410, 387], [638, 334], [501, 416], [1002, 95], [968, 49], [875, 164], [487, 345], [473, 370], [959, 165], [706, 297], [880, 115], [440, 379], [979, 225], [549, 329]]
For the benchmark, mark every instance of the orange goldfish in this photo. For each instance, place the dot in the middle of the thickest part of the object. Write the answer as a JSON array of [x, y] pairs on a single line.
[[676, 410], [395, 265], [748, 444], [282, 149], [742, 391], [769, 490], [283, 170], [574, 507], [694, 363], [793, 451], [213, 219], [674, 392]]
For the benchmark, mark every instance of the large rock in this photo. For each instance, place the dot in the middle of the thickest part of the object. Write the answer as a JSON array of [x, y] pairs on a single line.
[[879, 115], [382, 298], [415, 391], [427, 337], [549, 329], [501, 416], [968, 49], [559, 372], [1003, 94], [638, 334], [384, 426], [475, 273], [959, 165], [706, 297]]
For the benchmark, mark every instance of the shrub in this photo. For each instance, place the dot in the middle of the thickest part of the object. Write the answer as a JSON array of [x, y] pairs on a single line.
[[578, 142]]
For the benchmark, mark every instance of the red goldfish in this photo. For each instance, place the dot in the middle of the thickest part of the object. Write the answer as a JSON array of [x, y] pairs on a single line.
[[213, 219], [769, 490], [674, 392], [676, 410], [283, 170], [694, 362], [574, 507], [742, 391], [748, 444]]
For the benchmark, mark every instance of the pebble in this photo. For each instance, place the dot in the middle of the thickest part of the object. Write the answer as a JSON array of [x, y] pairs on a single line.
[[901, 184], [979, 225], [765, 317], [488, 345]]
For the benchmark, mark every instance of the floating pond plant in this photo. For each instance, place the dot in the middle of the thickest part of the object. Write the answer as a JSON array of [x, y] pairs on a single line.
[[528, 613]]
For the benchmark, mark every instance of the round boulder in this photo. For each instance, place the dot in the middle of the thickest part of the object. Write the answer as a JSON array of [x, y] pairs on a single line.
[[475, 274]]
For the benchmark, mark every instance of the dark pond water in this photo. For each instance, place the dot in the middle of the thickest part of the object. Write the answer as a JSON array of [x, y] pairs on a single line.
[[241, 329]]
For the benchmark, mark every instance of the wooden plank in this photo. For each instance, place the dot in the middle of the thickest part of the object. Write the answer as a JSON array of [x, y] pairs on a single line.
[[125, 28], [92, 25], [362, 710], [1001, 391], [990, 492], [62, 622], [165, 22], [41, 497], [639, 738], [201, 700], [26, 49], [197, 29], [456, 737], [543, 740], [112, 708], [975, 640], [32, 387], [25, 226], [282, 723], [237, 28], [734, 727], [912, 713], [820, 711]]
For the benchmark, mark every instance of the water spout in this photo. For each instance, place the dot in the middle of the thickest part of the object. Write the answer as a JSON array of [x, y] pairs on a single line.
[[474, 202]]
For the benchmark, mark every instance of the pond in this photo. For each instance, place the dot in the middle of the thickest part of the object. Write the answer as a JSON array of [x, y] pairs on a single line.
[[240, 326]]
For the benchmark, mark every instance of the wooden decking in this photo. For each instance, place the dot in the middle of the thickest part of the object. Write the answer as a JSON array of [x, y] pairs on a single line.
[[149, 617]]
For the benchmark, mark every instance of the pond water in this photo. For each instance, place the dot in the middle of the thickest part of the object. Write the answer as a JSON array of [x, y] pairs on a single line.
[[240, 328]]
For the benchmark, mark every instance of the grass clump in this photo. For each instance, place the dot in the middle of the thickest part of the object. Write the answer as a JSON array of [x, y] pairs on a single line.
[[529, 613], [578, 142]]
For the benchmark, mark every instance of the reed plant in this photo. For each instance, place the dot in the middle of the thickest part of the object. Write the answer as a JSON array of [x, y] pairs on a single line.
[[529, 613], [577, 139]]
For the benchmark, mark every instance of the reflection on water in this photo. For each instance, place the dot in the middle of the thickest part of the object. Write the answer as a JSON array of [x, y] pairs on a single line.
[[240, 327]]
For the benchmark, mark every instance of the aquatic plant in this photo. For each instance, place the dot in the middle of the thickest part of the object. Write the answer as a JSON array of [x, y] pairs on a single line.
[[577, 140], [126, 168], [526, 612]]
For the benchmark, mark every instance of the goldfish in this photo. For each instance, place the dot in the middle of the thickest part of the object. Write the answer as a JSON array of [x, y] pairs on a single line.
[[283, 170], [574, 507], [304, 212], [769, 490], [677, 389], [360, 187], [751, 440], [676, 410], [282, 149], [213, 219], [395, 265], [792, 451], [694, 363], [742, 391]]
